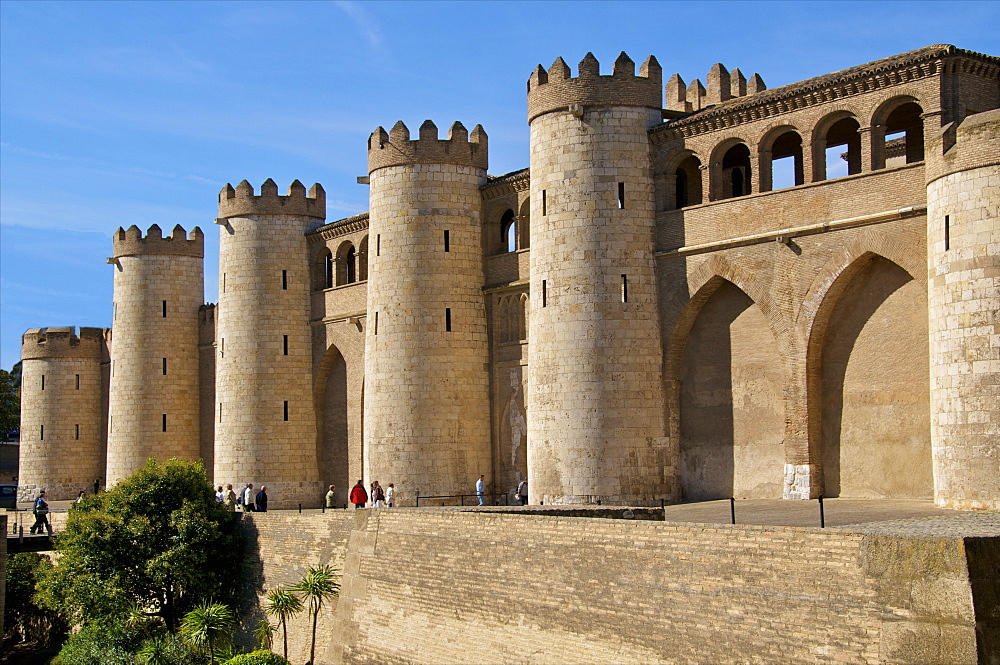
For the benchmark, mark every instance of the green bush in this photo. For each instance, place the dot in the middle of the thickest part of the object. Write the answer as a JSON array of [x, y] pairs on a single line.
[[100, 643], [260, 657]]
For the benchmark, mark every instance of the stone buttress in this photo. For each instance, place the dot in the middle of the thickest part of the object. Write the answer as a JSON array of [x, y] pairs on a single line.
[[427, 424], [265, 423], [595, 394], [963, 252], [154, 390], [63, 412]]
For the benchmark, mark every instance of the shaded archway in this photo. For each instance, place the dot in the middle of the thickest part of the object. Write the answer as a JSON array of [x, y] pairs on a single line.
[[333, 425], [871, 405], [731, 408]]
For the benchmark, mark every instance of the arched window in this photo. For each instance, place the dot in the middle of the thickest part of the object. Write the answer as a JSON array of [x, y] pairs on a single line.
[[350, 266], [786, 161], [363, 260], [687, 182], [736, 171], [346, 264], [523, 317], [504, 317], [328, 272], [904, 135], [842, 146], [508, 231]]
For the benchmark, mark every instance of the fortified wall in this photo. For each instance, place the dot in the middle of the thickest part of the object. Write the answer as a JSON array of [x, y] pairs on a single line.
[[443, 586], [734, 291]]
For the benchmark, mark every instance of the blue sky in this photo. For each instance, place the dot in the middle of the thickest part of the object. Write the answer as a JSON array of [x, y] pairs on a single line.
[[120, 113]]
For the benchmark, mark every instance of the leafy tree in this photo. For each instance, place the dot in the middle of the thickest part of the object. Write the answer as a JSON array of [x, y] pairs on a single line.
[[318, 585], [283, 604], [260, 657], [207, 623], [10, 400], [24, 619], [157, 540]]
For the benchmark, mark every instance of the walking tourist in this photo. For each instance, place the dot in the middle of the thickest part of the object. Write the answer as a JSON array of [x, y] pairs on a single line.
[[79, 497], [481, 489], [230, 498], [522, 492], [220, 496], [248, 498], [41, 511], [359, 497], [390, 495], [331, 497], [261, 501]]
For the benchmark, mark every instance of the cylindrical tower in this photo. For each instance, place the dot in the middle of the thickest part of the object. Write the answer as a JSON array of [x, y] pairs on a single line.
[[265, 422], [427, 423], [963, 250], [62, 423], [153, 403], [595, 394]]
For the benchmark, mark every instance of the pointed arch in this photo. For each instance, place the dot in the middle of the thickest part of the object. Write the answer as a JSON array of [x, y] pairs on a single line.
[[331, 403], [728, 384], [867, 397]]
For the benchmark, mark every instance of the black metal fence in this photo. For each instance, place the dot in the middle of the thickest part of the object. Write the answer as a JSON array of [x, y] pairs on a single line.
[[488, 499]]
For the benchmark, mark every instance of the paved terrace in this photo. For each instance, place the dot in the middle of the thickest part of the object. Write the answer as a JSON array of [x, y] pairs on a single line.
[[906, 516]]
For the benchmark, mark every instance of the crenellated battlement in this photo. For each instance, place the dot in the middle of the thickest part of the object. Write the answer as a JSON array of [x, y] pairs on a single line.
[[556, 89], [722, 85], [241, 201], [395, 147], [45, 343], [130, 242]]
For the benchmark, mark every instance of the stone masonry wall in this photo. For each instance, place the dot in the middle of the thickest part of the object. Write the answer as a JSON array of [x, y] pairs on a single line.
[[595, 394], [963, 239], [433, 586], [427, 419], [265, 428], [154, 405], [62, 424]]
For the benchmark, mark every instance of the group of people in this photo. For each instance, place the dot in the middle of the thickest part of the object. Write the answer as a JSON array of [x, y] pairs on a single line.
[[380, 497], [246, 499]]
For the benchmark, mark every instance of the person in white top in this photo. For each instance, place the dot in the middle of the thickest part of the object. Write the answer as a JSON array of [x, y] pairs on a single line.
[[390, 494], [248, 499]]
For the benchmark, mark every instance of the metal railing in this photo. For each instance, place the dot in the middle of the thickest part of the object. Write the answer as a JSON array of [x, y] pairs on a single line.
[[489, 499]]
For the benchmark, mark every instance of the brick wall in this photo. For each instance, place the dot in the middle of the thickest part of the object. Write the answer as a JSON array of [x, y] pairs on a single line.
[[441, 586]]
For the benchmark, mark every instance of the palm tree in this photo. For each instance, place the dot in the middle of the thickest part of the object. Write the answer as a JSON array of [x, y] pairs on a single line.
[[284, 604], [205, 624], [264, 634], [318, 585]]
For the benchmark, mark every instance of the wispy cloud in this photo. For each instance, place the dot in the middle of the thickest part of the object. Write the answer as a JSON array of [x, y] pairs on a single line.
[[364, 22], [72, 213]]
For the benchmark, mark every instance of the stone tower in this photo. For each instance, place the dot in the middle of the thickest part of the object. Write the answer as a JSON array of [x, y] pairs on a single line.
[[62, 411], [265, 423], [153, 403], [595, 395], [427, 424], [963, 250]]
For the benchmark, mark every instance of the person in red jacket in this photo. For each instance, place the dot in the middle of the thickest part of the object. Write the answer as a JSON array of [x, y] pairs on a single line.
[[359, 497]]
